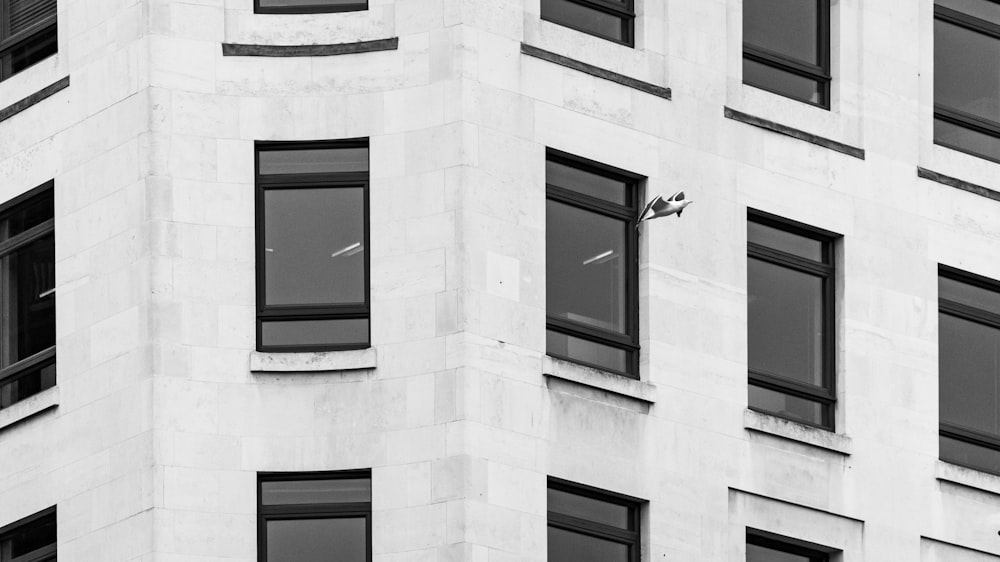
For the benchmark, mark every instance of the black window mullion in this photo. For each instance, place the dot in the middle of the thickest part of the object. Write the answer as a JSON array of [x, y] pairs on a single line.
[[967, 21], [590, 528], [615, 8], [788, 386], [968, 120], [784, 62]]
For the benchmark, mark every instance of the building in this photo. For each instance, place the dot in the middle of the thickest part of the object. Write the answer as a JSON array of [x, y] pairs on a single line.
[[252, 258]]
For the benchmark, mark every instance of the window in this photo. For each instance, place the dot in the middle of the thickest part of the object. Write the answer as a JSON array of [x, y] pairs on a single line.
[[32, 539], [769, 547], [967, 76], [790, 289], [305, 516], [591, 264], [786, 48], [27, 296], [312, 236], [969, 369], [27, 34], [590, 525], [610, 19], [308, 6]]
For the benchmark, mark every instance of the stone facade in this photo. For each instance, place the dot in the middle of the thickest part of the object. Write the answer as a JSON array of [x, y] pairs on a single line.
[[165, 413]]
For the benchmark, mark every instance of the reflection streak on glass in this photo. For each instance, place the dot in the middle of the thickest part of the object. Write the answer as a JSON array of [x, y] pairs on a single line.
[[313, 253], [585, 270]]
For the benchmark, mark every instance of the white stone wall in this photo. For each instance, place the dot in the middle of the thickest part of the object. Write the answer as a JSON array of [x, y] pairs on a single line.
[[161, 426]]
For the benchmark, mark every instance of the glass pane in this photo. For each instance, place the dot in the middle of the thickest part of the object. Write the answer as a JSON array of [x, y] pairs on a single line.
[[581, 17], [590, 509], [27, 383], [314, 250], [787, 27], [983, 9], [782, 82], [968, 454], [317, 540], [27, 215], [966, 72], [756, 553], [340, 490], [587, 183], [309, 3], [587, 267], [30, 537], [785, 241], [586, 351], [789, 407], [281, 333], [785, 322], [313, 161], [29, 273], [40, 46], [567, 546], [969, 355], [966, 140], [971, 295]]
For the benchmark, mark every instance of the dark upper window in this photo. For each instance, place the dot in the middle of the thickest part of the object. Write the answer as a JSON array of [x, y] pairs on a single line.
[[312, 241], [969, 369], [590, 525], [308, 6], [27, 34], [591, 264], [27, 296], [967, 76], [32, 539], [306, 516], [790, 289], [769, 547], [786, 48], [610, 19]]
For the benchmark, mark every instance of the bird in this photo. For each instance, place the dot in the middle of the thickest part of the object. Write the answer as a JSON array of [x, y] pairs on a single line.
[[660, 207]]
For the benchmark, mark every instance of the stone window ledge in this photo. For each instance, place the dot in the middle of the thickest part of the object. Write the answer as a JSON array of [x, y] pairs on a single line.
[[44, 401], [558, 369], [312, 361], [801, 433], [969, 477]]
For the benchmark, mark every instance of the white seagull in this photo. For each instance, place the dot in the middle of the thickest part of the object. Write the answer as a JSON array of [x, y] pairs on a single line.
[[660, 207]]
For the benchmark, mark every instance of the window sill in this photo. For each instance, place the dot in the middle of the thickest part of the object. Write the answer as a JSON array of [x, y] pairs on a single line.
[[970, 477], [801, 433], [566, 371], [312, 361], [31, 406]]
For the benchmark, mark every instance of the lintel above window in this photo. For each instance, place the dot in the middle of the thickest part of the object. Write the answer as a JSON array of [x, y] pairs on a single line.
[[308, 6]]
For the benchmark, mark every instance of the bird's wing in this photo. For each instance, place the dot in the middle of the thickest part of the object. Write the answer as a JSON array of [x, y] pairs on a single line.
[[679, 196], [649, 206]]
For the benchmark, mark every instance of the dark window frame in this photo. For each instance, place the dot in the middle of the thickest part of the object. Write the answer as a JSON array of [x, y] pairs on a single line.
[[815, 552], [979, 316], [44, 554], [359, 6], [820, 73], [629, 213], [827, 394], [28, 365], [43, 30], [267, 182], [267, 513], [631, 538], [955, 116], [624, 11]]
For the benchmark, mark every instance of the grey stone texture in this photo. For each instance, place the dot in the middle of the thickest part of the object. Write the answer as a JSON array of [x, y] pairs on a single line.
[[163, 420]]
